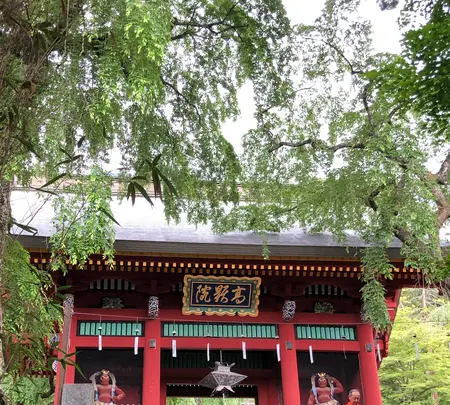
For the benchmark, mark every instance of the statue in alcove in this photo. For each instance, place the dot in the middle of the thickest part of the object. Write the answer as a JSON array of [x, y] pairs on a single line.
[[323, 389], [107, 392]]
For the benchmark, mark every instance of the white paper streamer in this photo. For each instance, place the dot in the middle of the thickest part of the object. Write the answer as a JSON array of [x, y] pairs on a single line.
[[416, 346], [244, 351], [136, 344], [378, 352], [207, 352], [311, 357], [174, 348], [278, 352], [99, 342]]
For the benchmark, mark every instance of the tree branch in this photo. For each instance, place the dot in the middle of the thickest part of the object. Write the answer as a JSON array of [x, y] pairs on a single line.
[[392, 113], [208, 26], [290, 144], [180, 94], [442, 175], [367, 108], [353, 71], [313, 143]]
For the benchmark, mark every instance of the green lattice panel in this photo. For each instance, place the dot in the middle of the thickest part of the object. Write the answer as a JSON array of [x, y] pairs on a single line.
[[227, 330], [110, 328], [326, 332]]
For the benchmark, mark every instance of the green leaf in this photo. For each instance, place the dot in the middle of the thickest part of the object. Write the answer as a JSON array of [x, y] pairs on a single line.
[[64, 287], [168, 183], [80, 141], [55, 179], [109, 215], [44, 191], [72, 159], [156, 160], [143, 192], [156, 182], [66, 153], [29, 146], [131, 192], [26, 228]]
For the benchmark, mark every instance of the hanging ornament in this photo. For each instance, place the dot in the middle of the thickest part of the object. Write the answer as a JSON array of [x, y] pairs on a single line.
[[174, 348], [207, 352], [278, 352], [378, 352], [311, 357], [136, 340], [100, 336], [244, 351]]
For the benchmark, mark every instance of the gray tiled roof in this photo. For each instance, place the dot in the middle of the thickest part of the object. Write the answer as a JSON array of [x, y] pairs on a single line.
[[144, 229]]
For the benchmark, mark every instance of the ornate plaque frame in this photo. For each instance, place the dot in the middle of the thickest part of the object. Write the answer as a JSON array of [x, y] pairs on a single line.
[[212, 295]]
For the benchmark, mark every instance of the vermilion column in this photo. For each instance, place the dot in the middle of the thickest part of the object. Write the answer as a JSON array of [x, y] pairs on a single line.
[[289, 370], [263, 393], [151, 384], [368, 367], [64, 345], [163, 397]]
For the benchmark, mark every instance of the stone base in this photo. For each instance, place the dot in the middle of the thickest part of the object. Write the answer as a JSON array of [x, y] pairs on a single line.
[[78, 394]]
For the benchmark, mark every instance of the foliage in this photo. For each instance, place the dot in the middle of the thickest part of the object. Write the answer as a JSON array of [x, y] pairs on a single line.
[[155, 80], [28, 390], [81, 229], [349, 152], [406, 379], [419, 79], [30, 316]]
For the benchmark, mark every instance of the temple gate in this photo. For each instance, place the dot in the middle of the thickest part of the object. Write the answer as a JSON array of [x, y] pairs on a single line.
[[159, 322]]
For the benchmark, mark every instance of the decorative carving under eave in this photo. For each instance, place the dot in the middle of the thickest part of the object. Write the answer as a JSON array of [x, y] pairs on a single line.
[[69, 302], [112, 302], [153, 307], [288, 310], [323, 308]]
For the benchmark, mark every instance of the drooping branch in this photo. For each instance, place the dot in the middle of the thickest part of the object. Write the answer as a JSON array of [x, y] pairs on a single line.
[[180, 94], [392, 113], [316, 145], [353, 71], [215, 27]]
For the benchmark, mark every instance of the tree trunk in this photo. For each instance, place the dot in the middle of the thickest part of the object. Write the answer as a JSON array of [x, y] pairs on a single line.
[[424, 298], [5, 220]]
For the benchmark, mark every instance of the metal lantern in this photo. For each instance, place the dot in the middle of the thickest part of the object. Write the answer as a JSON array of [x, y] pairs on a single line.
[[221, 379]]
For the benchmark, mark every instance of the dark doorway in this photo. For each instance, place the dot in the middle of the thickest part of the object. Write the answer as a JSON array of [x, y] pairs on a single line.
[[126, 367], [342, 366], [195, 391]]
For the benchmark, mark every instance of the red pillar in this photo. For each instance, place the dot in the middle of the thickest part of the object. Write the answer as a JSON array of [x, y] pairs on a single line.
[[289, 369], [70, 370], [163, 393], [370, 383], [273, 392], [151, 385], [263, 393]]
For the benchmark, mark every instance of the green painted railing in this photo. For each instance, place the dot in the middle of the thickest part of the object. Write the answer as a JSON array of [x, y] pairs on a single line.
[[110, 328], [227, 330], [325, 332]]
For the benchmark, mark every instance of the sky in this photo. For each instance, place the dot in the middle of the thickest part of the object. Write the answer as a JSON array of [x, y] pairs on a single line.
[[386, 38]]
